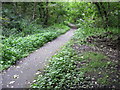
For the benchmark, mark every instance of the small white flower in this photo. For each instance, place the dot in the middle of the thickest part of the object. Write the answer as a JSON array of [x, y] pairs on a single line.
[[81, 57], [83, 14]]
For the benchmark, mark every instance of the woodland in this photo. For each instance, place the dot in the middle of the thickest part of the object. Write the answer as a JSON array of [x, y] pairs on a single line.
[[89, 60]]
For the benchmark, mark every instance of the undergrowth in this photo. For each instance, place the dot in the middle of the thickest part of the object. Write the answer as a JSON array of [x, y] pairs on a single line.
[[67, 69], [18, 46]]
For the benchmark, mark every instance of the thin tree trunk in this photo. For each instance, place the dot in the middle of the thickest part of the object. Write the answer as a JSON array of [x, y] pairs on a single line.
[[46, 13], [105, 13], [34, 11], [15, 7], [41, 11]]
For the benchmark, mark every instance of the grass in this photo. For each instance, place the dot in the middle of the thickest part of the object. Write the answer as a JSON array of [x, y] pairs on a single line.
[[96, 60]]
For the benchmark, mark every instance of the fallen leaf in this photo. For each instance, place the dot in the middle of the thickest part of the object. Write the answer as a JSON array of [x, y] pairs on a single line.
[[12, 82], [16, 76]]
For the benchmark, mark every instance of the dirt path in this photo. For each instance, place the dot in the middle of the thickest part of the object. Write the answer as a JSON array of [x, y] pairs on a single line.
[[24, 72]]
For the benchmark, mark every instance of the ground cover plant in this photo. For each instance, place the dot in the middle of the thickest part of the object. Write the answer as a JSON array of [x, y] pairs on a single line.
[[89, 60], [83, 62], [18, 46]]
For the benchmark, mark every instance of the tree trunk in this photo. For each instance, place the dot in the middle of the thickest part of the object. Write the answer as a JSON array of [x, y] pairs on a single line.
[[15, 7], [34, 11], [105, 14], [46, 13], [41, 11]]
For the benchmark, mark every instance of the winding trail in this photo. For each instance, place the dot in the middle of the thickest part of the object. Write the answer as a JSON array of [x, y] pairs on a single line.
[[22, 74]]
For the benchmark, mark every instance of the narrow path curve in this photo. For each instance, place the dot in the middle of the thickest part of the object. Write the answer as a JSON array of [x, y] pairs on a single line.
[[21, 75]]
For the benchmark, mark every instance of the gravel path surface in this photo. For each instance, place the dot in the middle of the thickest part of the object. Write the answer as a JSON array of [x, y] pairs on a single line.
[[22, 74]]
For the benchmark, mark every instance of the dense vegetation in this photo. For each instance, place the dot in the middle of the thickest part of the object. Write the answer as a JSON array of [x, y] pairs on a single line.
[[17, 47], [82, 63], [88, 60]]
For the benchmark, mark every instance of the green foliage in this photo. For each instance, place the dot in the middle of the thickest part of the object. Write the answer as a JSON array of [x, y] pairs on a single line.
[[96, 61], [61, 72], [67, 68], [25, 28], [103, 80], [15, 48], [17, 17], [107, 14], [83, 33]]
